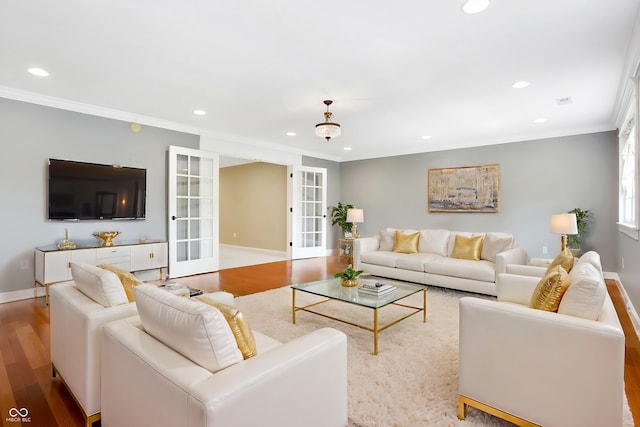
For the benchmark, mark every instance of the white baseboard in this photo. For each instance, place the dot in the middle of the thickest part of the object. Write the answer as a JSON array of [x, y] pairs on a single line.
[[21, 294], [633, 314], [259, 250]]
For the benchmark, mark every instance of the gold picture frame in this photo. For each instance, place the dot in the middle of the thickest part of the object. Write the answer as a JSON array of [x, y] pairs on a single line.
[[464, 189]]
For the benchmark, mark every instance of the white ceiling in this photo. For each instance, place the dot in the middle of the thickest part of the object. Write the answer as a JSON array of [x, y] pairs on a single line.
[[395, 70]]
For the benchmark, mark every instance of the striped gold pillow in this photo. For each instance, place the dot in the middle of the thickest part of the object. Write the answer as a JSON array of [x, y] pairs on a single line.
[[565, 259], [550, 289]]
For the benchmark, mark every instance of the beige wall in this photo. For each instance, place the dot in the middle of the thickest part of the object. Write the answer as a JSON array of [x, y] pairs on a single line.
[[253, 205]]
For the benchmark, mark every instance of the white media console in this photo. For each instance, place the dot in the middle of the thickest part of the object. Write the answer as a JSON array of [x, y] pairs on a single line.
[[53, 264]]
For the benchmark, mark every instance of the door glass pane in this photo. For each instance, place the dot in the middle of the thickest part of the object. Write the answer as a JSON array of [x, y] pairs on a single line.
[[206, 227], [206, 208], [182, 251], [195, 166], [194, 231], [182, 229], [195, 250], [182, 188], [207, 168], [194, 208], [195, 187], [181, 208], [182, 164], [206, 187], [207, 248]]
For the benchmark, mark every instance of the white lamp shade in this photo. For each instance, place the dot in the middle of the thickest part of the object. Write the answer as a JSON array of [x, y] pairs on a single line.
[[563, 224], [355, 215]]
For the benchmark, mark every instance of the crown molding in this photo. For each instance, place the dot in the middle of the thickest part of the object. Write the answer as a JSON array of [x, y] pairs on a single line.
[[79, 107]]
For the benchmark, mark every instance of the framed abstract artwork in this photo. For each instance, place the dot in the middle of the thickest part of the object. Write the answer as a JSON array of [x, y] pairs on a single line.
[[464, 189]]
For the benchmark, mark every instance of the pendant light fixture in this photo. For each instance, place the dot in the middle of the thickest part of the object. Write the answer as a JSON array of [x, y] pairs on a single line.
[[328, 129]]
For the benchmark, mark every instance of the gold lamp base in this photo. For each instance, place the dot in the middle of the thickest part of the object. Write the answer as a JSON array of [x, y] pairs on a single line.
[[354, 229], [563, 242]]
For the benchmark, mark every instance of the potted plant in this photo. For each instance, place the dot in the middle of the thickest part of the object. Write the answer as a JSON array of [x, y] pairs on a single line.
[[339, 217], [582, 219], [349, 277]]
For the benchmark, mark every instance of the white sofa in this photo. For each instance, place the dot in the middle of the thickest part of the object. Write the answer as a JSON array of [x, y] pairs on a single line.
[[433, 264], [76, 323], [146, 382], [535, 367]]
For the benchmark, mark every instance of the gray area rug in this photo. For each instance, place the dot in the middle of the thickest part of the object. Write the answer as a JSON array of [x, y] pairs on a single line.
[[411, 382]]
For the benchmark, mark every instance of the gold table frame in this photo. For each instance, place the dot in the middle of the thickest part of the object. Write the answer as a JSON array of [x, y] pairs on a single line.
[[377, 328]]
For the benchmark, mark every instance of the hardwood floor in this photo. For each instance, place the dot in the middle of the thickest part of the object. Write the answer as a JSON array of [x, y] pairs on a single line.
[[25, 367]]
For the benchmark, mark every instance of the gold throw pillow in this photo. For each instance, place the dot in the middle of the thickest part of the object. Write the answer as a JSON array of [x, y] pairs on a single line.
[[239, 326], [550, 290], [564, 259], [127, 279], [406, 243], [467, 247]]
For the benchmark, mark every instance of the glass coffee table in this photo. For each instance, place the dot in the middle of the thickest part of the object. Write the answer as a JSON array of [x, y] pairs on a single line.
[[332, 290]]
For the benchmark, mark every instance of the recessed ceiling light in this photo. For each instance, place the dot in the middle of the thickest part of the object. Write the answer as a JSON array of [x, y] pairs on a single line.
[[475, 6], [347, 148], [291, 134], [520, 85], [426, 136], [540, 120], [199, 112], [38, 72]]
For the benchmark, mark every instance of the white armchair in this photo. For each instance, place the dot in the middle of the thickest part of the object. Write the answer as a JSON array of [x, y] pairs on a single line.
[[535, 367], [299, 383], [76, 324]]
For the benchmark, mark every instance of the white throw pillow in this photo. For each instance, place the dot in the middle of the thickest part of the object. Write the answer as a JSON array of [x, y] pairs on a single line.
[[387, 240], [493, 244], [593, 258], [586, 294], [434, 241], [102, 286], [196, 330]]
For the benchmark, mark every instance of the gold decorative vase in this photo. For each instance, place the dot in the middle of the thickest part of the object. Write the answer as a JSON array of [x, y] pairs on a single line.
[[106, 237], [349, 283]]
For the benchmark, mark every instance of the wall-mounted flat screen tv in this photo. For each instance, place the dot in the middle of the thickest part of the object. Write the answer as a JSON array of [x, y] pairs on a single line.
[[90, 191]]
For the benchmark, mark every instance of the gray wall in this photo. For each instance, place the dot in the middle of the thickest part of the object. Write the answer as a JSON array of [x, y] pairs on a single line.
[[629, 249], [30, 135], [538, 178]]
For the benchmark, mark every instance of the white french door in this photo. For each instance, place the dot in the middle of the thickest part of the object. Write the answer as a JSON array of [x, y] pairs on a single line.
[[193, 211], [307, 217]]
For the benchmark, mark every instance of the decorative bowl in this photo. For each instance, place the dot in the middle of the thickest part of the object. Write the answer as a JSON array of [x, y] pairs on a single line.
[[106, 237]]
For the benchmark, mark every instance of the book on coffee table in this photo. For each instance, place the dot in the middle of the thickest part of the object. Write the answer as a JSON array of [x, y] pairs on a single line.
[[193, 292], [373, 287]]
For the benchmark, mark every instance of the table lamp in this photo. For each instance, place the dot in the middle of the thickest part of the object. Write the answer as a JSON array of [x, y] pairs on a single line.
[[355, 216], [563, 224]]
